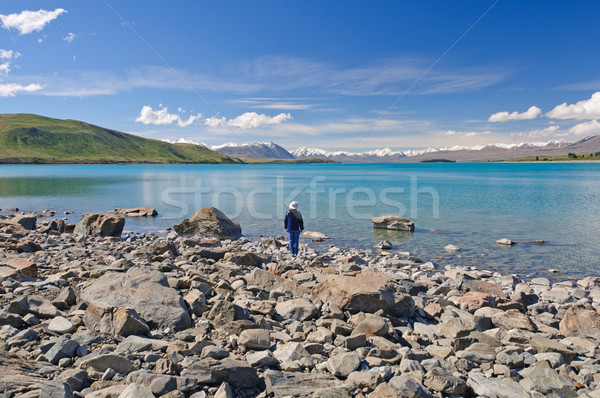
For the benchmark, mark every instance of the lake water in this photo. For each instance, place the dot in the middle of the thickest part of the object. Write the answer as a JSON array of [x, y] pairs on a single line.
[[474, 203]]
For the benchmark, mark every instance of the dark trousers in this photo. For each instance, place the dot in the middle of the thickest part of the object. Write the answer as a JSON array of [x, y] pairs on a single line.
[[294, 240]]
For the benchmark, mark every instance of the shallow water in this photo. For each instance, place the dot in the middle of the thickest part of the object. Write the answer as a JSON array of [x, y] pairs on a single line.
[[475, 204]]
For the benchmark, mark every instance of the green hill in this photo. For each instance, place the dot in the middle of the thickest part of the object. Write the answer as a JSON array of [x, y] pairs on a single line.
[[26, 138]]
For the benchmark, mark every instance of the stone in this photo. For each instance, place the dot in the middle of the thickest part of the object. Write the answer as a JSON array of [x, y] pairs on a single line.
[[136, 212], [384, 245], [495, 388], [451, 248], [76, 378], [369, 380], [245, 258], [196, 301], [409, 387], [19, 374], [56, 389], [27, 221], [506, 242], [61, 325], [291, 351], [137, 343], [297, 309], [63, 348], [135, 390], [367, 291], [546, 380], [457, 327], [255, 339], [393, 222], [41, 307], [513, 319], [18, 266], [238, 374], [341, 365], [96, 224], [441, 380], [100, 363], [372, 326], [209, 222], [314, 235], [224, 391], [225, 312], [355, 341], [297, 384], [581, 321], [147, 291], [261, 359], [269, 282], [472, 301], [543, 344]]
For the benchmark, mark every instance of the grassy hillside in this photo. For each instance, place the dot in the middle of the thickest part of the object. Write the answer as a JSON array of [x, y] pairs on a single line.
[[26, 138]]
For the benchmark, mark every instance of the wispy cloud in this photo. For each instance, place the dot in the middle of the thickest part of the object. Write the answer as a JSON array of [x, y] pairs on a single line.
[[591, 127], [163, 117], [531, 113], [274, 103], [29, 21], [12, 89], [70, 37], [585, 109]]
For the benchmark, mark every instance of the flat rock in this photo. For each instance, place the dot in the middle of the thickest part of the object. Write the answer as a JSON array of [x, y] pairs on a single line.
[[407, 386], [546, 380], [495, 388], [17, 266], [268, 281], [393, 222], [314, 235], [451, 248], [136, 212], [296, 384], [506, 242], [135, 390], [61, 325], [100, 363], [96, 224], [209, 222], [513, 319], [56, 389], [255, 339], [17, 372], [367, 291], [342, 365], [297, 309], [238, 374], [147, 291]]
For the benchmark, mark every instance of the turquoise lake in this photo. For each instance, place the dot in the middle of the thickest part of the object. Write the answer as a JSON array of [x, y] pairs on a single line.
[[474, 204]]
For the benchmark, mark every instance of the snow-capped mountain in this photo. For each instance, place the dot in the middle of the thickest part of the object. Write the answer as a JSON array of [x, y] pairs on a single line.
[[259, 150]]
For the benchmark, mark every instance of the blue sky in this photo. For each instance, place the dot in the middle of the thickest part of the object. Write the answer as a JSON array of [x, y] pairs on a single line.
[[344, 75]]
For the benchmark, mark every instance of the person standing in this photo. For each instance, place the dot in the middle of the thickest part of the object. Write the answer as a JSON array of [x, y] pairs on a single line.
[[294, 225]]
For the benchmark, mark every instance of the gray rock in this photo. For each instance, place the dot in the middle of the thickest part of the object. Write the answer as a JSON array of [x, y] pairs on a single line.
[[255, 339], [342, 365], [61, 325], [238, 374], [546, 380], [372, 325], [495, 388], [100, 363], [137, 344], [296, 384], [409, 387], [224, 391], [297, 309], [261, 359], [134, 390], [56, 389], [96, 224], [146, 291], [76, 378], [63, 348], [291, 351]]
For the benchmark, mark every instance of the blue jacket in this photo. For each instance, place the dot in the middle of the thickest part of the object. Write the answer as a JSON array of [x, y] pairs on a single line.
[[292, 223]]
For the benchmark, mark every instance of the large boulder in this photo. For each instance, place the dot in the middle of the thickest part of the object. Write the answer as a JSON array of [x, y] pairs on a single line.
[[393, 222], [27, 221], [147, 291], [366, 291], [581, 321], [96, 224], [211, 222]]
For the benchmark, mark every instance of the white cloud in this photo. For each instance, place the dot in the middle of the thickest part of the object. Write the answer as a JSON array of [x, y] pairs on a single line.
[[548, 132], [5, 68], [531, 113], [468, 133], [29, 21], [586, 128], [9, 54], [11, 89], [248, 120], [585, 109], [162, 117], [70, 37]]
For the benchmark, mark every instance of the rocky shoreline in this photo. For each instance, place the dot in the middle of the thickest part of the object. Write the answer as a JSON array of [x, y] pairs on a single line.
[[141, 315]]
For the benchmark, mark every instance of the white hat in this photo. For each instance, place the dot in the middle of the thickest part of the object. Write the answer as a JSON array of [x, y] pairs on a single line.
[[294, 205]]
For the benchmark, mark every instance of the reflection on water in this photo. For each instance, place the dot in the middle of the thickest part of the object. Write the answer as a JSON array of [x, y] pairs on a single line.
[[475, 203]]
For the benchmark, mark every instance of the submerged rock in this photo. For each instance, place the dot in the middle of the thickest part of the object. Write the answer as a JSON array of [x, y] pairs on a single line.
[[393, 222], [136, 212]]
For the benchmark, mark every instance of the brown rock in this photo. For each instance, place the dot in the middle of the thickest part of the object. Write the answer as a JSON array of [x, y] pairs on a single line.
[[472, 301], [513, 319], [367, 291], [210, 222], [96, 224], [21, 266], [268, 281], [245, 258], [581, 321]]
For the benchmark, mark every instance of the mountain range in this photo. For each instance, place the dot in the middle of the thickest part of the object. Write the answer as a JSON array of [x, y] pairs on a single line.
[[491, 152]]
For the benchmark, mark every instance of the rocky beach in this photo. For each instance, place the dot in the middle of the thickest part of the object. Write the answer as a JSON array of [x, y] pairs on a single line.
[[90, 311]]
